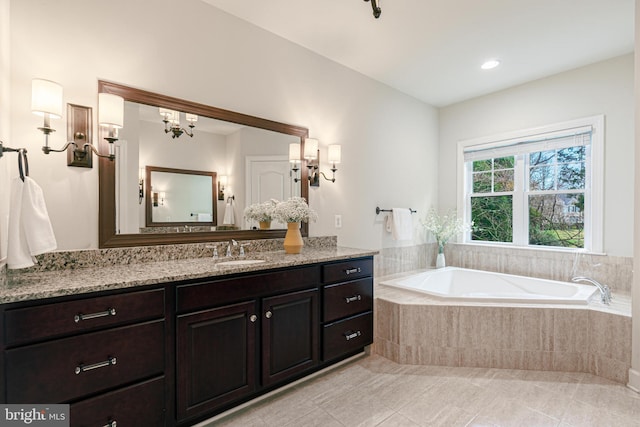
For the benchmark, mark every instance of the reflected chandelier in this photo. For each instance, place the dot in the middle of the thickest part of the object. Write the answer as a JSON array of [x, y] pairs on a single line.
[[376, 8], [171, 119]]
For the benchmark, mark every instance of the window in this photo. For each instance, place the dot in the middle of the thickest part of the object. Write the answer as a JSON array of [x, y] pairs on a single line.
[[536, 188]]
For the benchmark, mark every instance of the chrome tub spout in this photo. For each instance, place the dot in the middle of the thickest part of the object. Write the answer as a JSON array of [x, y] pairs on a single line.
[[605, 292]]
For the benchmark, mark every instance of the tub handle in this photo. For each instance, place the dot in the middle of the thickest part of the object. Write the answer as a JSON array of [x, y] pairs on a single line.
[[352, 335], [349, 271], [353, 298]]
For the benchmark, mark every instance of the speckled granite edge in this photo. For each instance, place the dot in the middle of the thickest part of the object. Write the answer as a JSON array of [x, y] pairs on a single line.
[[48, 284], [71, 260]]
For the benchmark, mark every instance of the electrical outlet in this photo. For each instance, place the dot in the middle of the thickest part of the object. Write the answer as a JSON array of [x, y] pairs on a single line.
[[338, 221]]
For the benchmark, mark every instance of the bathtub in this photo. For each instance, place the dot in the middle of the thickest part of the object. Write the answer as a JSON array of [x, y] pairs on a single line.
[[460, 284]]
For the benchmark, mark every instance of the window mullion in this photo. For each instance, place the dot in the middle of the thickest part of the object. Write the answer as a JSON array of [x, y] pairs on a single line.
[[520, 222]]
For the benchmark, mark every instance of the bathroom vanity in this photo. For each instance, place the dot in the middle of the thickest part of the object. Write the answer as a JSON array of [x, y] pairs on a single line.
[[175, 349]]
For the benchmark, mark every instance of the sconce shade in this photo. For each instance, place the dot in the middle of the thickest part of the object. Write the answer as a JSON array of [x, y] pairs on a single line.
[[294, 152], [224, 179], [311, 149], [335, 154], [110, 110], [165, 112], [46, 98], [191, 118]]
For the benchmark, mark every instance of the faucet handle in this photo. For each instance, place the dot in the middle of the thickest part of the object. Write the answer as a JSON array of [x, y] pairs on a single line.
[[215, 251], [242, 245]]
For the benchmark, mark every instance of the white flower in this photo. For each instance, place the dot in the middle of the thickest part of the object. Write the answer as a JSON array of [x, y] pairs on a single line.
[[295, 209], [444, 227], [261, 212]]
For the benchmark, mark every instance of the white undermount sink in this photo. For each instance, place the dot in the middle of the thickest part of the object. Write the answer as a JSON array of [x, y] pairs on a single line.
[[241, 262]]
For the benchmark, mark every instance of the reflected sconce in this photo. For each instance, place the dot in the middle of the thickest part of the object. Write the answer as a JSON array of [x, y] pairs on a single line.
[[222, 182], [46, 101], [294, 159], [312, 156], [140, 185], [171, 119], [158, 196]]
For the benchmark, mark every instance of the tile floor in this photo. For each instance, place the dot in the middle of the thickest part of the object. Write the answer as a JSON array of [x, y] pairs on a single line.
[[374, 391]]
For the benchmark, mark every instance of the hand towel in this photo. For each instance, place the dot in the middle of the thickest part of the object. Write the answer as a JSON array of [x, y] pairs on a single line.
[[204, 217], [18, 255], [35, 219], [229, 217], [400, 224]]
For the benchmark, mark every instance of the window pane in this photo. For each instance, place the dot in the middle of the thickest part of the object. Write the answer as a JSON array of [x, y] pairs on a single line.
[[482, 165], [503, 180], [504, 163], [492, 218], [482, 182], [571, 154], [542, 158], [571, 176], [542, 178], [557, 220]]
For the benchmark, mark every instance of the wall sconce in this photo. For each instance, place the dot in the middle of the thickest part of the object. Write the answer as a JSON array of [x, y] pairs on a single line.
[[222, 182], [171, 119], [158, 196], [294, 159], [46, 101], [140, 185], [312, 155]]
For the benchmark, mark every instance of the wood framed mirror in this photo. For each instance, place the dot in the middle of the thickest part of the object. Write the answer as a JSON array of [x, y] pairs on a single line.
[[110, 234]]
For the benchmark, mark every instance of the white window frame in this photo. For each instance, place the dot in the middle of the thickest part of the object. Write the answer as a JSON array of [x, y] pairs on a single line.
[[594, 203]]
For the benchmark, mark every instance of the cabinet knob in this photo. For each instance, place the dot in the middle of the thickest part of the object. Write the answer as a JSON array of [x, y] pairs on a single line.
[[253, 318], [268, 314]]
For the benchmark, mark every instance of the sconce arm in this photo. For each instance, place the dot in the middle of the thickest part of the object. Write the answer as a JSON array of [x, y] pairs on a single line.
[[93, 149], [48, 149], [333, 178]]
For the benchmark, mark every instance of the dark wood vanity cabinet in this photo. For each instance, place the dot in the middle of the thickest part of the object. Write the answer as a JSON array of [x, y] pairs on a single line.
[[89, 352], [178, 353]]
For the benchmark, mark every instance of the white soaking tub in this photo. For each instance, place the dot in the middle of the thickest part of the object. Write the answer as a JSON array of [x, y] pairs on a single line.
[[461, 284]]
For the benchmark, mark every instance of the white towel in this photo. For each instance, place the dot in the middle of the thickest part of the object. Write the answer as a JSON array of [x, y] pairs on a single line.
[[204, 217], [229, 216], [30, 231], [400, 224]]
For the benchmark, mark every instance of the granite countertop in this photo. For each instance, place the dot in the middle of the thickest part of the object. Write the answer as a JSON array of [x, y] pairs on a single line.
[[39, 285]]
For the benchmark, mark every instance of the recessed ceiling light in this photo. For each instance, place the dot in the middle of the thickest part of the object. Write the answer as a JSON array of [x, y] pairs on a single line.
[[490, 64]]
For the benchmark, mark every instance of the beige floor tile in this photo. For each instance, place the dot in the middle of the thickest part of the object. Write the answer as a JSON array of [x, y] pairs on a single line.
[[579, 414], [509, 412], [357, 408], [397, 420], [317, 418]]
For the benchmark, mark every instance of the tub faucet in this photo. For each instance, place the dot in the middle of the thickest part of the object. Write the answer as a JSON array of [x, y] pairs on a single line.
[[232, 242], [605, 292]]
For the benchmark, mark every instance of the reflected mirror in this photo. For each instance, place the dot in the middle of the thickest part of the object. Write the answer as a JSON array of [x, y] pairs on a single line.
[[245, 157]]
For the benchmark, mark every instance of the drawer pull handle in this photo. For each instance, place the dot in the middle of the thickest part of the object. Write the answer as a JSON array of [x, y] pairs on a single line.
[[84, 368], [353, 298], [253, 318], [110, 312], [268, 314], [352, 335], [349, 271], [111, 424]]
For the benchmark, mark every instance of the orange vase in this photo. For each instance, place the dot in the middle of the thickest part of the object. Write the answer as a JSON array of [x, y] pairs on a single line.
[[293, 242], [264, 225]]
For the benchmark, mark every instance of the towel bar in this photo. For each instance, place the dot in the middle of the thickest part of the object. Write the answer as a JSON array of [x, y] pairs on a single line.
[[5, 149], [378, 210]]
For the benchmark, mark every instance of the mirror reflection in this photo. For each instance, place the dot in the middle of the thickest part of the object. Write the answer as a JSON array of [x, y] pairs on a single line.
[[248, 155]]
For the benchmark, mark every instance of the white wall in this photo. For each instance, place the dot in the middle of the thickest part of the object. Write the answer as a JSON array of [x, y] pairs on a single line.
[[602, 88], [389, 139], [8, 160]]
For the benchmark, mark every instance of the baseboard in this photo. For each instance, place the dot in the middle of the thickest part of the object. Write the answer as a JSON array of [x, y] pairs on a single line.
[[634, 380]]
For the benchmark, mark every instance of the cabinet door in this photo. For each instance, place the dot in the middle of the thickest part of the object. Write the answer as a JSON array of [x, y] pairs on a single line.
[[216, 357], [290, 327]]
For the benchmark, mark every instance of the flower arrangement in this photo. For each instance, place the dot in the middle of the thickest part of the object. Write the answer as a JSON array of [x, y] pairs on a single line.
[[261, 212], [295, 209], [444, 227]]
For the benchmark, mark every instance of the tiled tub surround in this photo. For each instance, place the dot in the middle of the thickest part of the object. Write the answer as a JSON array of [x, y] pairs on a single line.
[[23, 285], [616, 272], [411, 328]]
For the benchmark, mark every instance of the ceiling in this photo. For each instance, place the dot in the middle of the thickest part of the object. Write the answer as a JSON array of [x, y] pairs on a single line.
[[433, 49]]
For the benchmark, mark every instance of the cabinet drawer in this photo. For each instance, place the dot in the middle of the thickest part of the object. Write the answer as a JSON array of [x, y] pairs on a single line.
[[225, 291], [347, 299], [347, 335], [138, 405], [65, 369], [31, 324], [347, 270]]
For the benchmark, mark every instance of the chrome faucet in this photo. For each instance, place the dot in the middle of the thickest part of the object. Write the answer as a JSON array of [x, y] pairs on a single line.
[[232, 242], [605, 292]]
